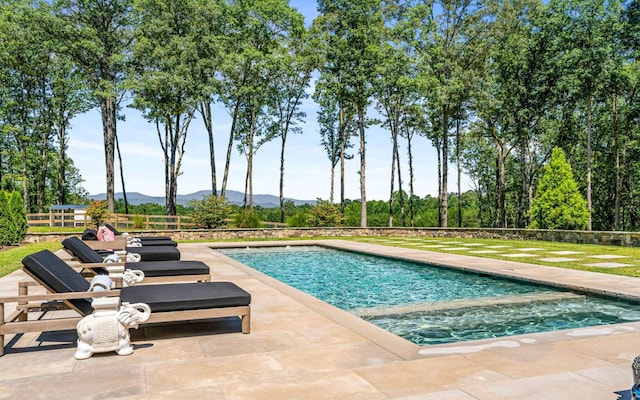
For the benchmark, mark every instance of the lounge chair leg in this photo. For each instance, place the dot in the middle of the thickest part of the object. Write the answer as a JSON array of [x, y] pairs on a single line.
[[246, 323], [23, 290], [1, 327]]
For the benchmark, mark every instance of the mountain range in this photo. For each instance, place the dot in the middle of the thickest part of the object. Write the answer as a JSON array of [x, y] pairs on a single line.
[[262, 200]]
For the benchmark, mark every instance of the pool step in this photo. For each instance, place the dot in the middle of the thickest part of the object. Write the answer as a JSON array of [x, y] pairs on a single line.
[[463, 303]]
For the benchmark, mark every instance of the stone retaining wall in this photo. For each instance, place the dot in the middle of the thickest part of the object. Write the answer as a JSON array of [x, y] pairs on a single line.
[[627, 239]]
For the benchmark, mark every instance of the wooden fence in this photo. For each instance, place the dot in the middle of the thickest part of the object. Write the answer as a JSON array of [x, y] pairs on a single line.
[[120, 221]]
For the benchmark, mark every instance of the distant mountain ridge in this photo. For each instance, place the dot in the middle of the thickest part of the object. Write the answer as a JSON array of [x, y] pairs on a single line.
[[262, 200]]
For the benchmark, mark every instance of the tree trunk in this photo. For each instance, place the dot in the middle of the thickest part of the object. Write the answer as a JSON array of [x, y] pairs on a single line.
[[108, 111], [410, 155], [173, 180], [250, 166], [589, 204], [284, 141], [333, 177], [207, 118], [439, 153], [394, 140], [363, 190], [230, 148], [459, 168], [25, 187], [124, 190], [61, 192], [618, 190], [502, 204], [403, 220], [523, 183], [445, 167], [342, 160], [43, 172]]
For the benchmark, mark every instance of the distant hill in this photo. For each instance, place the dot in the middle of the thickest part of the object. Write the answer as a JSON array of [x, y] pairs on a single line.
[[262, 200]]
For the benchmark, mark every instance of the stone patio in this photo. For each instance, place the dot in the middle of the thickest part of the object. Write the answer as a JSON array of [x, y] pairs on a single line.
[[302, 348]]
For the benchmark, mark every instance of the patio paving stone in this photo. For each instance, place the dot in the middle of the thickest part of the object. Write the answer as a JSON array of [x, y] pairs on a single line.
[[301, 348]]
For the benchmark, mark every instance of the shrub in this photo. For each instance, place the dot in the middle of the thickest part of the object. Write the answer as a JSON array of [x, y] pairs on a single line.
[[324, 214], [248, 219], [210, 212], [299, 219], [98, 211], [138, 222]]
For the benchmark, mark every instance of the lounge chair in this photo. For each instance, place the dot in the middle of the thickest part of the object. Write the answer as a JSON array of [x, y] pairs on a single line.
[[154, 271], [147, 253], [168, 302], [143, 240]]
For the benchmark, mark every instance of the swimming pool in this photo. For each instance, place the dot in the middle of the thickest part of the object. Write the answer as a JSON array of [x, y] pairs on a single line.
[[428, 304]]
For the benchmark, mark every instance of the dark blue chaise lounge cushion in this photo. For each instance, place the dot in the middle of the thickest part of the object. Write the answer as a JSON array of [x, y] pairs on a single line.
[[61, 278], [86, 254]]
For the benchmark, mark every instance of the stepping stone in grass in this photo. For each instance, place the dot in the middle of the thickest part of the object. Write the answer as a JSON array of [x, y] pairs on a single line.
[[608, 265], [530, 249], [498, 247], [483, 251], [608, 256], [566, 252], [558, 259], [516, 255], [454, 248]]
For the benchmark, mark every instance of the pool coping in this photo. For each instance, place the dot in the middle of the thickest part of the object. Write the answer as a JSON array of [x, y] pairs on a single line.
[[574, 280]]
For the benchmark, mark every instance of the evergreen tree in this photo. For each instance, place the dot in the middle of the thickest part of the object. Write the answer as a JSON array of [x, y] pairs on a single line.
[[557, 203], [6, 224], [18, 216]]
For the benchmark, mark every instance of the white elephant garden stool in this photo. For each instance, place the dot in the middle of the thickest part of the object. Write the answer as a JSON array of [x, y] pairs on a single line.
[[107, 329]]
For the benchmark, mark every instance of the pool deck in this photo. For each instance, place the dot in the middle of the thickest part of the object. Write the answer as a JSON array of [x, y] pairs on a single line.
[[302, 348]]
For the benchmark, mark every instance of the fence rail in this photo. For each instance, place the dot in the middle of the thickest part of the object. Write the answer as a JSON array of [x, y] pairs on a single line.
[[120, 221]]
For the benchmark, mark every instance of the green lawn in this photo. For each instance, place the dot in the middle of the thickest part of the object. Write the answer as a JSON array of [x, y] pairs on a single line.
[[10, 258], [585, 253]]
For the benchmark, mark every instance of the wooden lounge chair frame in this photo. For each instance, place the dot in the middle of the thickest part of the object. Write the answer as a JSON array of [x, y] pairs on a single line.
[[91, 267], [18, 322], [148, 279]]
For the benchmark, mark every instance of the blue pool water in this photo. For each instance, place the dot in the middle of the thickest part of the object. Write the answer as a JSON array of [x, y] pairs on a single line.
[[428, 304]]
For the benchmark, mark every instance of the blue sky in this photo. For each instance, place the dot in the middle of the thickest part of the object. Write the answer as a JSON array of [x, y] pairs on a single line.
[[307, 168]]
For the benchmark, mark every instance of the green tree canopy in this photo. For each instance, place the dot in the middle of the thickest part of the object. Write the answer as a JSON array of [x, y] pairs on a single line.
[[557, 203]]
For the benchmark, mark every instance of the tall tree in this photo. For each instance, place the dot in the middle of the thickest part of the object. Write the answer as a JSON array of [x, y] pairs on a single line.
[[588, 59], [257, 32], [163, 83], [443, 34], [98, 37], [292, 74], [211, 25], [353, 37]]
